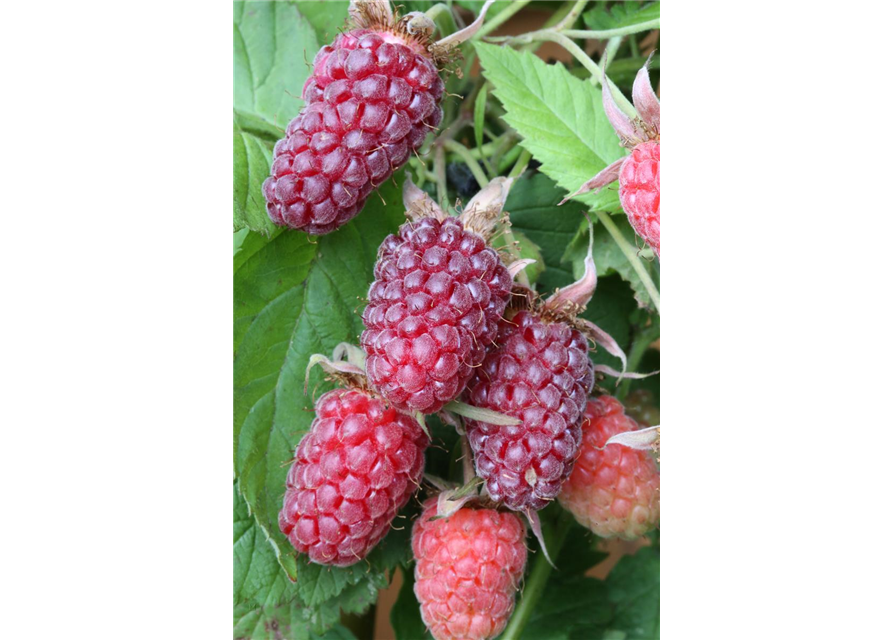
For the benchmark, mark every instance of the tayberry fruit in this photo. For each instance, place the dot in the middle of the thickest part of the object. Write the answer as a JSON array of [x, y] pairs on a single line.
[[614, 491], [541, 374], [468, 567], [356, 467], [438, 294], [373, 96]]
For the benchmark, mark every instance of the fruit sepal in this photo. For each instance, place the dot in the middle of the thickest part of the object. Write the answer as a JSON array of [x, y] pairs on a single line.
[[451, 500], [602, 179], [455, 39], [533, 518], [480, 414], [344, 365], [642, 439], [479, 215], [569, 301], [414, 29]]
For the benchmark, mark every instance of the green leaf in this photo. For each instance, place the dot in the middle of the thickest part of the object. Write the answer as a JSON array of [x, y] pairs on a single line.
[[406, 617], [270, 41], [261, 623], [257, 578], [252, 157], [575, 607], [610, 309], [579, 552], [272, 44], [283, 622], [559, 117], [622, 14], [634, 593], [294, 298], [338, 632], [238, 239], [252, 243], [568, 604], [327, 19], [266, 603], [534, 212], [472, 5]]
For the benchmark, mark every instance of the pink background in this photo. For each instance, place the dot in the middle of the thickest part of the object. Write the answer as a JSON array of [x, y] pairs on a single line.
[[783, 344]]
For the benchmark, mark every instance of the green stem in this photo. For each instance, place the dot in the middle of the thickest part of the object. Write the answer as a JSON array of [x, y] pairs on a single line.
[[555, 18], [462, 151], [500, 18], [632, 65], [571, 17], [536, 581], [440, 173], [512, 247], [630, 252], [610, 51], [467, 460], [521, 164], [613, 33], [509, 158], [634, 48], [437, 10]]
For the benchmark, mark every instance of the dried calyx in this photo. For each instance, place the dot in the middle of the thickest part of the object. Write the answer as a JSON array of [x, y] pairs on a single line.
[[415, 29], [646, 125], [480, 215], [452, 498], [346, 366]]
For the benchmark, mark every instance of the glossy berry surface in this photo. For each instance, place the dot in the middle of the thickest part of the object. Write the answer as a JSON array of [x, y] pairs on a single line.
[[356, 467], [369, 103], [640, 191], [541, 374], [614, 492], [438, 294], [468, 568]]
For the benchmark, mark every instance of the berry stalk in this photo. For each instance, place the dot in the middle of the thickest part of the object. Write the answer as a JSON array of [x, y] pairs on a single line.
[[630, 252], [535, 584]]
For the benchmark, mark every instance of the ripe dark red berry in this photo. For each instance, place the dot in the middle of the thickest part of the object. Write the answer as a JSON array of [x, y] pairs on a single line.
[[373, 96], [541, 374], [356, 467], [614, 491], [438, 294], [468, 567]]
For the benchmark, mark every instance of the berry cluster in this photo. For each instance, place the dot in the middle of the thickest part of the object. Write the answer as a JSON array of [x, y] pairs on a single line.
[[445, 322]]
